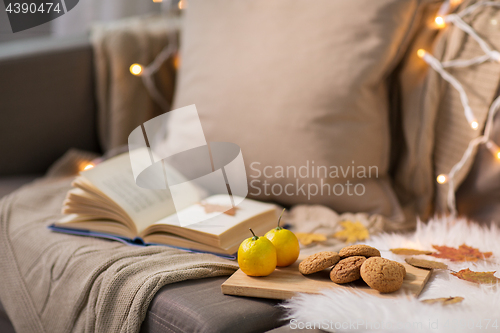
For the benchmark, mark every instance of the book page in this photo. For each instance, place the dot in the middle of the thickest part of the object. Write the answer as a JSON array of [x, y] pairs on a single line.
[[115, 179], [216, 223]]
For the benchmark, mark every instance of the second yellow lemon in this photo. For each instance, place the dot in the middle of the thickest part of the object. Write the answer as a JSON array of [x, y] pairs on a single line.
[[286, 244]]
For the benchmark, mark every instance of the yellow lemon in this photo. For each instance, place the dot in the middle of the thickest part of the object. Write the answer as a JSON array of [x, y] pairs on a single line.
[[257, 256], [286, 244]]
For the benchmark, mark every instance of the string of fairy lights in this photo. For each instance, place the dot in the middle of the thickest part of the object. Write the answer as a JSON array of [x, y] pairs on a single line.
[[169, 51], [443, 18]]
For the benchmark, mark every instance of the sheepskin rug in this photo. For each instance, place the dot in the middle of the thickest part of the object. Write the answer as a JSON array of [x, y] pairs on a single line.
[[343, 311]]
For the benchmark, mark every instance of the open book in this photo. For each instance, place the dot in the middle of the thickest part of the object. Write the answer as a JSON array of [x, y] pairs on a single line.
[[106, 202]]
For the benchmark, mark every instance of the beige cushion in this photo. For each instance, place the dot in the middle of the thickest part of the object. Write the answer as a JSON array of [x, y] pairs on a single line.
[[414, 121], [295, 82]]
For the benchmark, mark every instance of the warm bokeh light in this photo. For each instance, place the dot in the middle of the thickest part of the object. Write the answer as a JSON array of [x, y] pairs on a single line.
[[421, 53], [440, 22], [136, 69], [493, 148], [177, 61], [157, 0], [455, 3], [474, 124], [442, 179], [88, 166], [181, 4]]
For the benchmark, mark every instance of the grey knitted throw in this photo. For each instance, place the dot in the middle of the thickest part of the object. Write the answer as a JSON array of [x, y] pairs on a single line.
[[53, 282]]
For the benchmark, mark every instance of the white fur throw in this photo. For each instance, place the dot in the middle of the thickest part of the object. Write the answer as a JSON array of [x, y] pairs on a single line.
[[341, 311]]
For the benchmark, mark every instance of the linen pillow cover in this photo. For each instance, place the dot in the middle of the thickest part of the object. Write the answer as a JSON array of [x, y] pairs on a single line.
[[301, 88]]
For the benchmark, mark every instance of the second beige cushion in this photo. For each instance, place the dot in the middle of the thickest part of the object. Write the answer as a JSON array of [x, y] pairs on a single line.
[[297, 84]]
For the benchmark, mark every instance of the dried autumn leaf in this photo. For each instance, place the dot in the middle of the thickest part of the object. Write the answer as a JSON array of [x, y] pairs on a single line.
[[444, 300], [307, 238], [477, 277], [212, 208], [353, 232], [422, 263], [408, 252], [463, 253]]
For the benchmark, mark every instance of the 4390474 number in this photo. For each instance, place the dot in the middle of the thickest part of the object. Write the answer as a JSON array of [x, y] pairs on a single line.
[[25, 7]]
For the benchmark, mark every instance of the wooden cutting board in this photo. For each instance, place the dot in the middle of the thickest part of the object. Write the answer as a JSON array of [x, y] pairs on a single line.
[[284, 283]]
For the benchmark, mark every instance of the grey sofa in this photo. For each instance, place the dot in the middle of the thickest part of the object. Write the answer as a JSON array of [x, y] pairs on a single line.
[[47, 106]]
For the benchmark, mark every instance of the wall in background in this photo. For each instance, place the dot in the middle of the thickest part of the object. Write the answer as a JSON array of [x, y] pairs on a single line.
[[6, 34], [80, 18]]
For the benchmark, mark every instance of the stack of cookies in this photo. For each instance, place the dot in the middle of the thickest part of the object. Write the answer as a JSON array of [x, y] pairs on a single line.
[[354, 262]]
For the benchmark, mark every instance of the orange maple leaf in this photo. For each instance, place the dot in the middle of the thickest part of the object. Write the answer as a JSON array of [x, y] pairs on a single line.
[[477, 277], [212, 208], [463, 253]]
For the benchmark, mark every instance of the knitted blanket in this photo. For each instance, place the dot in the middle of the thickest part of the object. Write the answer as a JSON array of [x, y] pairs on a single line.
[[53, 282]]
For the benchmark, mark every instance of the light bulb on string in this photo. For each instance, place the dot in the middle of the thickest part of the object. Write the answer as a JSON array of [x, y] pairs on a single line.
[[177, 60], [493, 148], [469, 115], [136, 69], [474, 124], [442, 179], [87, 166], [438, 67], [440, 22]]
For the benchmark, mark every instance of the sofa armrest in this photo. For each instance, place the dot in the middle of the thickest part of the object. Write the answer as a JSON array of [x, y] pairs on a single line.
[[47, 102]]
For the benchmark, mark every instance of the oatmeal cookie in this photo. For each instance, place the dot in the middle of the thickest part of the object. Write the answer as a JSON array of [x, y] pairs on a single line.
[[347, 270], [382, 274], [359, 250], [318, 262]]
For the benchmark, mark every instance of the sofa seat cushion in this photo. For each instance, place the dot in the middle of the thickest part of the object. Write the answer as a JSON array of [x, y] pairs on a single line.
[[200, 306]]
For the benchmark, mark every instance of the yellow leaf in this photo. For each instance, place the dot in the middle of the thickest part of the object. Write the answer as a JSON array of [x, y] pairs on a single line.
[[444, 300], [307, 238], [353, 232]]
